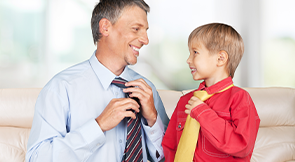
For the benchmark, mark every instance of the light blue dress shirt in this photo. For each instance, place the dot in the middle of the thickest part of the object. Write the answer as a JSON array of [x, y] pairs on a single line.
[[64, 127]]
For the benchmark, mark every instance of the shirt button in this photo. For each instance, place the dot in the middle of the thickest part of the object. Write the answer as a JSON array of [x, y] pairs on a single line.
[[116, 93], [179, 126], [120, 141]]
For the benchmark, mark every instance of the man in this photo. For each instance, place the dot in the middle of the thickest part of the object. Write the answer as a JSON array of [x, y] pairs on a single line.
[[80, 115]]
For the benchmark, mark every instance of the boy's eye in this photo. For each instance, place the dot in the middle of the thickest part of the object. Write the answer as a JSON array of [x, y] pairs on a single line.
[[195, 52]]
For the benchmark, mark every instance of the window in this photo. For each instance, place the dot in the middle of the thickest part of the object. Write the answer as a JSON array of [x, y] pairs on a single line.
[[40, 38]]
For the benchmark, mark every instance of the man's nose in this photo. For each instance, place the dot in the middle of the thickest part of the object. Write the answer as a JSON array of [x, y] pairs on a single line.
[[144, 38]]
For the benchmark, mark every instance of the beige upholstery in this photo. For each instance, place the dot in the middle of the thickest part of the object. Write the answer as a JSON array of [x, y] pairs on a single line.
[[16, 116], [275, 106]]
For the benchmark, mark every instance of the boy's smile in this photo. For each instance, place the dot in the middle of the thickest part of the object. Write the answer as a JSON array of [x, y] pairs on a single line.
[[193, 70]]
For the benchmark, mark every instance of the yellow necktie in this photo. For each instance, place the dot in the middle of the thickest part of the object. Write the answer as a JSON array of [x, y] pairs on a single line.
[[189, 138]]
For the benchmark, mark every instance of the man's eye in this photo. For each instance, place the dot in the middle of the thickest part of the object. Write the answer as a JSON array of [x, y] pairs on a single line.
[[136, 29]]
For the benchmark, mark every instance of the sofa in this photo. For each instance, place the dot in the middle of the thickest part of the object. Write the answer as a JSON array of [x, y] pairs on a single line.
[[275, 141]]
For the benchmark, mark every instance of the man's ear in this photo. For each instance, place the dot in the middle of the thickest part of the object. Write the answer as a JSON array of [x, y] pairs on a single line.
[[104, 26], [222, 58]]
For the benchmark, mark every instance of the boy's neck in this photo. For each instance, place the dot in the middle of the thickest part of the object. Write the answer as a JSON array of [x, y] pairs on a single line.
[[213, 80]]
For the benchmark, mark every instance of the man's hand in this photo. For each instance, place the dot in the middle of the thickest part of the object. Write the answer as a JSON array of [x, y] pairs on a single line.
[[144, 93], [192, 103], [115, 112]]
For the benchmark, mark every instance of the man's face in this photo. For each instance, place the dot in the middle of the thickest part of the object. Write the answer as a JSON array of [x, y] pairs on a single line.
[[128, 35]]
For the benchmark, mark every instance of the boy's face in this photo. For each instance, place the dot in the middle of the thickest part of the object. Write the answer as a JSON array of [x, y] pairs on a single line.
[[203, 65]]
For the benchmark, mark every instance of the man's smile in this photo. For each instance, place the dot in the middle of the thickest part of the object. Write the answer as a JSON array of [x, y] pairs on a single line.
[[135, 49]]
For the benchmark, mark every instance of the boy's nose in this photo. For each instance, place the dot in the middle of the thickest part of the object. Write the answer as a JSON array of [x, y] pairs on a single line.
[[188, 61]]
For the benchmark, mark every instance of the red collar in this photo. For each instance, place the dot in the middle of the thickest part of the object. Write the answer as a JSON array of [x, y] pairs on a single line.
[[216, 87]]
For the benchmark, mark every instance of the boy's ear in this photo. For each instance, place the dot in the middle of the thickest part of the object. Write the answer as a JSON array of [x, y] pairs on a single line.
[[222, 58], [104, 25]]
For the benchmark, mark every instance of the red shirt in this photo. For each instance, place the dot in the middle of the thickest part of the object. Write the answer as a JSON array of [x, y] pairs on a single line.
[[229, 125]]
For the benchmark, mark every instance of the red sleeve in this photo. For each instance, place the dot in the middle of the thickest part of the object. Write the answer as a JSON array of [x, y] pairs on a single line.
[[236, 136], [169, 142]]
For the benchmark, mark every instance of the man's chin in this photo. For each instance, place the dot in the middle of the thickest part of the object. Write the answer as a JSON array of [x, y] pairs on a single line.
[[132, 62]]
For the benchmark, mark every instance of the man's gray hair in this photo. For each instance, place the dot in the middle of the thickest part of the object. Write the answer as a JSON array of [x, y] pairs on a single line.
[[112, 10]]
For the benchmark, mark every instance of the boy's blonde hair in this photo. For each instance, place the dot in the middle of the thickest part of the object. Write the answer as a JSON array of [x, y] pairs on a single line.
[[217, 37]]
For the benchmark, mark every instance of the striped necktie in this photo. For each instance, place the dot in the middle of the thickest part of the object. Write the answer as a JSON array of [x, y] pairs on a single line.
[[133, 149]]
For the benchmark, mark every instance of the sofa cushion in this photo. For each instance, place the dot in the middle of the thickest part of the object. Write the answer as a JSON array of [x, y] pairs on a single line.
[[276, 135], [17, 106], [275, 106], [13, 144], [274, 144], [169, 99]]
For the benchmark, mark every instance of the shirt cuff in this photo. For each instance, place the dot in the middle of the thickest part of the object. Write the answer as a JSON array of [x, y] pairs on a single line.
[[156, 131], [199, 110], [92, 135], [155, 135]]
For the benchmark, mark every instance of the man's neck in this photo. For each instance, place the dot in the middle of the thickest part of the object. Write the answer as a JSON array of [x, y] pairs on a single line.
[[109, 62]]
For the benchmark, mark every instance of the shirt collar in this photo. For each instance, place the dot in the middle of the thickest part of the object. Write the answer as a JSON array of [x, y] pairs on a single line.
[[217, 86], [104, 74]]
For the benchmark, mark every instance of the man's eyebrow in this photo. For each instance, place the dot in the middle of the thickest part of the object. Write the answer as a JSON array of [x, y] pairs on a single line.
[[138, 24]]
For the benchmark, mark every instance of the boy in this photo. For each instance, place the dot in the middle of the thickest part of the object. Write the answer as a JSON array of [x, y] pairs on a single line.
[[228, 118]]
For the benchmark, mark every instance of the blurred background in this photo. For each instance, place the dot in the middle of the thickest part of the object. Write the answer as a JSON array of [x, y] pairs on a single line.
[[39, 38]]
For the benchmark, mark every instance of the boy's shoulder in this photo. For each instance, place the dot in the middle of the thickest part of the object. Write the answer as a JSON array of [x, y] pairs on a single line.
[[235, 90], [239, 96]]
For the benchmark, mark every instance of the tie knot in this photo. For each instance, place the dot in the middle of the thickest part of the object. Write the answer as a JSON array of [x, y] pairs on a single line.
[[202, 95], [119, 82]]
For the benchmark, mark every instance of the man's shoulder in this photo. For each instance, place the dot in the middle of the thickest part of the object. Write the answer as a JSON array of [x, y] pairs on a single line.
[[70, 74], [136, 75]]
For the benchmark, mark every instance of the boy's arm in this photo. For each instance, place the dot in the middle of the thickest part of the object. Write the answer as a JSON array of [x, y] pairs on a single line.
[[169, 142], [235, 137]]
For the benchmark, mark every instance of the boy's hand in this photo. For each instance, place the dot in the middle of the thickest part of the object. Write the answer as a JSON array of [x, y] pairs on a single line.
[[192, 103]]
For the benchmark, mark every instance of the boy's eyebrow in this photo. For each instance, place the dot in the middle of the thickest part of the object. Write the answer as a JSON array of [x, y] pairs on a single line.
[[194, 48]]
